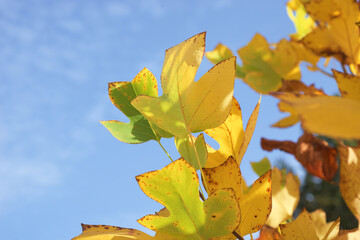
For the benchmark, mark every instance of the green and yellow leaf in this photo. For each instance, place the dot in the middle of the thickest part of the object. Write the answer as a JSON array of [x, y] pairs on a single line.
[[188, 106], [176, 186], [138, 130]]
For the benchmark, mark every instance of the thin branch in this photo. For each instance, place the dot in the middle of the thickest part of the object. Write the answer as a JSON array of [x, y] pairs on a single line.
[[237, 235]]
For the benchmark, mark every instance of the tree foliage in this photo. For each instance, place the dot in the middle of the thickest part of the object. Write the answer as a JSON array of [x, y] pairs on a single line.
[[229, 209]]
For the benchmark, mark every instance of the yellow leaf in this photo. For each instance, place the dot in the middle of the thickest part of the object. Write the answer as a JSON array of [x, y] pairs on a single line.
[[298, 15], [326, 115], [301, 228], [338, 35], [256, 203], [285, 197], [349, 85], [250, 127], [264, 67], [323, 229], [304, 54], [349, 234], [349, 178], [289, 120], [220, 53], [229, 135], [189, 106], [104, 232]]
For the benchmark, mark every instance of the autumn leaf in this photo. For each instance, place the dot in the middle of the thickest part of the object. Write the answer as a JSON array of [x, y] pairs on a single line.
[[285, 197], [138, 130], [261, 167], [255, 205], [229, 135], [176, 186], [337, 34], [268, 233], [349, 178], [302, 21], [324, 230], [326, 115], [288, 121], [301, 228], [265, 68], [188, 106], [104, 232], [349, 85], [353, 234], [187, 149], [315, 154], [221, 53]]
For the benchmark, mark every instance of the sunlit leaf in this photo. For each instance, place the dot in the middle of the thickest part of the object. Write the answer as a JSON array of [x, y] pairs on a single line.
[[326, 115], [221, 53], [330, 230], [176, 187], [255, 204], [187, 150], [229, 135], [301, 228], [288, 121], [250, 128], [285, 197], [138, 130], [265, 67], [298, 15], [349, 85], [349, 178], [353, 234], [189, 106], [261, 167], [104, 232], [337, 35]]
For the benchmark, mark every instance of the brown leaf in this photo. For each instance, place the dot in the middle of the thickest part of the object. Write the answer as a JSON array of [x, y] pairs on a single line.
[[315, 154], [268, 233]]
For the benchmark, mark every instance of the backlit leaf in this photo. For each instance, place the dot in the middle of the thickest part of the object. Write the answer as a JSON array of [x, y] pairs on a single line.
[[261, 167], [255, 204], [337, 34], [186, 149], [229, 135], [176, 187], [221, 53], [285, 197], [326, 115], [288, 121], [349, 85], [250, 128], [301, 228], [349, 178], [323, 228], [298, 15], [104, 232], [188, 106], [264, 67], [138, 130]]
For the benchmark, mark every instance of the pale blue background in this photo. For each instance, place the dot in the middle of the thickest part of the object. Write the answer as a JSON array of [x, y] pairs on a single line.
[[59, 166]]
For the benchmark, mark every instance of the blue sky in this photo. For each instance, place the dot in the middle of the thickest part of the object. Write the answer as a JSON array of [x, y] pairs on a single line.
[[59, 166]]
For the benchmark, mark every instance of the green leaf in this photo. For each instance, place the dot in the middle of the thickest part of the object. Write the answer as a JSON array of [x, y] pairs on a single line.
[[138, 130], [176, 186], [264, 67], [187, 151], [221, 53], [188, 106], [261, 167]]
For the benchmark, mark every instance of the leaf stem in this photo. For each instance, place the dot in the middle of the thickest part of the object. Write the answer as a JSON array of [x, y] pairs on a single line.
[[331, 228], [322, 71], [237, 235], [158, 140], [164, 150]]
